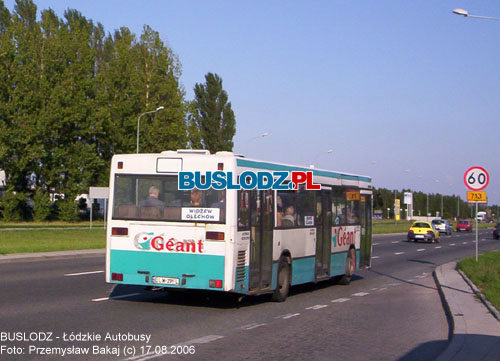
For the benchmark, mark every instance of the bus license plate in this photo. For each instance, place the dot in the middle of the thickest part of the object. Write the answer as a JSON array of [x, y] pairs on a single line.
[[165, 281]]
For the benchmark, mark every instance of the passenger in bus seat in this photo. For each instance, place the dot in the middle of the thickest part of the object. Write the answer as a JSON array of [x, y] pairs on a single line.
[[195, 197], [152, 199], [288, 219]]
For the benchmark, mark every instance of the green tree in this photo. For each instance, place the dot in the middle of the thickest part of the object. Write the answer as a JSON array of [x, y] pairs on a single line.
[[41, 206], [212, 121]]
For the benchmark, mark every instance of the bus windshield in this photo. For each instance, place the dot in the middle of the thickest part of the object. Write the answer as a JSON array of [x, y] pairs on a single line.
[[152, 197]]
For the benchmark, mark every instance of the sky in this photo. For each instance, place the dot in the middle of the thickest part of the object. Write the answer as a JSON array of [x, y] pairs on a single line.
[[405, 92]]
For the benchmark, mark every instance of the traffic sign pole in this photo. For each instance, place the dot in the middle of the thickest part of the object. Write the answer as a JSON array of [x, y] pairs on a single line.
[[477, 233], [476, 179]]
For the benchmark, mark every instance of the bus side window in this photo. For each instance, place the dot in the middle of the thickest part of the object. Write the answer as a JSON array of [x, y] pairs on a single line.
[[243, 210]]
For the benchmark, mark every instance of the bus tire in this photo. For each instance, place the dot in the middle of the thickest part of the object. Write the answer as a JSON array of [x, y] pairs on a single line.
[[349, 267], [283, 281]]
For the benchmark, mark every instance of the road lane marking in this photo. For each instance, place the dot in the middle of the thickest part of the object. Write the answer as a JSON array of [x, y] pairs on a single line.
[[360, 294], [395, 284], [421, 249], [253, 325], [375, 244], [464, 242], [375, 257], [420, 276], [340, 300], [288, 315], [437, 247], [410, 280], [395, 242], [82, 273], [316, 307], [383, 289], [374, 289], [114, 297], [452, 244], [398, 253]]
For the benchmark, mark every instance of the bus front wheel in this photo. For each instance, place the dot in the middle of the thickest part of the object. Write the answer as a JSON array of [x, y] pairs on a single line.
[[350, 267], [283, 284]]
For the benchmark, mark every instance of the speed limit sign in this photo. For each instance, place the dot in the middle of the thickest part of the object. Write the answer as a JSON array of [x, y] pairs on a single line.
[[476, 178]]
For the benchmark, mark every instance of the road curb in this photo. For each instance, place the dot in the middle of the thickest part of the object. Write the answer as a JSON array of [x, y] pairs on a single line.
[[483, 299], [17, 257], [456, 335]]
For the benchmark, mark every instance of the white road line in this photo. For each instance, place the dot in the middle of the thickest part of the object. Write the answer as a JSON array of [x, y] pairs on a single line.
[[395, 284], [421, 249], [340, 300], [114, 297], [316, 307], [375, 244], [360, 294], [398, 253], [452, 244], [420, 276], [464, 242], [395, 242], [483, 239], [82, 273], [437, 247], [286, 317], [410, 280], [375, 257], [374, 289], [253, 325], [383, 289]]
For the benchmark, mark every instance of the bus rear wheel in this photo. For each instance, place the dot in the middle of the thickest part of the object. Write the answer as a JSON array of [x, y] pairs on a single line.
[[350, 267], [283, 284]]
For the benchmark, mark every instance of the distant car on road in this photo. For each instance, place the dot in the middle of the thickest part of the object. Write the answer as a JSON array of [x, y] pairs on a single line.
[[423, 231], [464, 225], [496, 231], [443, 226]]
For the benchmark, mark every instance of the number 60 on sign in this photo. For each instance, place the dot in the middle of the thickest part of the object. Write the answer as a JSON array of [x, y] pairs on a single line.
[[476, 178]]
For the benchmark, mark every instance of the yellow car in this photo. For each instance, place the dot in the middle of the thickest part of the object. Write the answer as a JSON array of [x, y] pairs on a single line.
[[423, 231]]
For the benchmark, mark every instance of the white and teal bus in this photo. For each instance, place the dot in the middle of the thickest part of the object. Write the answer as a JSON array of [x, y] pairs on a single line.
[[247, 242]]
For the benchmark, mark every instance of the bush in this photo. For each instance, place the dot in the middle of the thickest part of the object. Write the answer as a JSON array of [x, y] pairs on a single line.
[[13, 205], [68, 210], [41, 206]]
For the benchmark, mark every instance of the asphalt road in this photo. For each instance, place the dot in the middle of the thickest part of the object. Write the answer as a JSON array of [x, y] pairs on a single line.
[[392, 312]]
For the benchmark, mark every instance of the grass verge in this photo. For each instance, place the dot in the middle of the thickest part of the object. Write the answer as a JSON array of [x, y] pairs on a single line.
[[55, 224], [485, 274], [46, 240]]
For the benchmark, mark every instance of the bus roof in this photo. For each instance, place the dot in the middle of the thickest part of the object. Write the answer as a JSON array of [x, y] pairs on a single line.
[[241, 161]]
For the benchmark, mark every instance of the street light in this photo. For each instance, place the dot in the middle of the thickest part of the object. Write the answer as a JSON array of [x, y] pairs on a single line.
[[466, 14], [139, 122], [261, 136]]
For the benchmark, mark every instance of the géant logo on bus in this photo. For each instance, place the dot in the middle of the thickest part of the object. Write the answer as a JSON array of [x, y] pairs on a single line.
[[146, 241], [261, 180], [343, 237]]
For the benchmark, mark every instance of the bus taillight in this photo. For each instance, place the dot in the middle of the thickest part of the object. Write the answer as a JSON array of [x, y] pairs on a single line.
[[119, 231], [214, 236], [215, 283], [117, 277]]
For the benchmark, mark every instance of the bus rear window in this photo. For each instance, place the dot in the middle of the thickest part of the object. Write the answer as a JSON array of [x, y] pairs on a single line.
[[143, 197]]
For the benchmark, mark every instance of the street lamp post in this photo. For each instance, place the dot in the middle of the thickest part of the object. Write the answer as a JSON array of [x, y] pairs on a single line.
[[466, 14], [139, 122]]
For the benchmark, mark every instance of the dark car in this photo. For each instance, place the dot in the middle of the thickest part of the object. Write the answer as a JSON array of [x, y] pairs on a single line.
[[464, 225], [496, 231]]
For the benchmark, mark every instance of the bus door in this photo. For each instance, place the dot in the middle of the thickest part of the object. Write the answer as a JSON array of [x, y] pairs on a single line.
[[366, 229], [323, 233], [261, 239]]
